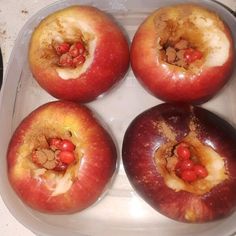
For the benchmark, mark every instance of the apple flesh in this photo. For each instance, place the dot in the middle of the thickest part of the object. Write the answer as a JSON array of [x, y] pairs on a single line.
[[78, 53], [183, 53], [151, 162], [60, 186]]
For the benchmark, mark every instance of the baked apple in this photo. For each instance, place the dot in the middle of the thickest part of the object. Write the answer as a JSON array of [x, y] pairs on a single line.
[[181, 159], [183, 53], [78, 53], [60, 159]]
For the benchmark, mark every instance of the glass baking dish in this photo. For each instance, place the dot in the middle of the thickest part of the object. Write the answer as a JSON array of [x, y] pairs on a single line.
[[120, 211]]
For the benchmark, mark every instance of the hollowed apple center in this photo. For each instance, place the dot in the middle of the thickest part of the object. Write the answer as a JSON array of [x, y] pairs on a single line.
[[50, 156], [55, 154], [190, 39], [190, 166], [180, 53], [67, 44]]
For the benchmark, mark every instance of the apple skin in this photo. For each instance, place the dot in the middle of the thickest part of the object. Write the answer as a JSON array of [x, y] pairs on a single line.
[[168, 82], [141, 141], [109, 64], [96, 169]]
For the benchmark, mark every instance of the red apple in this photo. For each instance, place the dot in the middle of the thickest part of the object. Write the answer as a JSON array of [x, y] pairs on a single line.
[[196, 187], [183, 53], [60, 159], [78, 53]]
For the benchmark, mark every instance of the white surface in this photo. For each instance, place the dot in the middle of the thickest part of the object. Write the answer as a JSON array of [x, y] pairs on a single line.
[[13, 15]]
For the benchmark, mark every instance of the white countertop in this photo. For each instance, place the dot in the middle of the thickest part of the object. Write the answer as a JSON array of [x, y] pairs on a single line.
[[13, 15]]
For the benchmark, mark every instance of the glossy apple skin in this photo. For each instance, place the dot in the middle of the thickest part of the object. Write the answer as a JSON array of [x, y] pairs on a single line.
[[109, 65], [141, 141], [97, 166], [169, 83]]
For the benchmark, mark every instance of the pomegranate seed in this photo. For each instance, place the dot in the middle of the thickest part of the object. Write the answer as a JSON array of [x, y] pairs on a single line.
[[62, 48], [67, 145], [55, 143], [80, 47], [183, 152], [189, 175], [66, 157], [200, 171], [66, 60], [74, 51], [191, 55], [78, 60]]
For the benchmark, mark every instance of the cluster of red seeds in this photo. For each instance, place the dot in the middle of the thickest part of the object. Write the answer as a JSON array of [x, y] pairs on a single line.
[[65, 149], [191, 55], [186, 168], [71, 55], [57, 156]]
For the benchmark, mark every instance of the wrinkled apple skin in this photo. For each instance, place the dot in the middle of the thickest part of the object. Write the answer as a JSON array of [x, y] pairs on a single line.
[[141, 141], [110, 60], [96, 169], [169, 83]]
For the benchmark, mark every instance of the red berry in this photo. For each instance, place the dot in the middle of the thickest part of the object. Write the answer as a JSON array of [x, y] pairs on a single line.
[[78, 60], [60, 166], [74, 51], [80, 47], [200, 171], [67, 145], [55, 143], [66, 157], [183, 152], [188, 175], [186, 165], [192, 55], [62, 48]]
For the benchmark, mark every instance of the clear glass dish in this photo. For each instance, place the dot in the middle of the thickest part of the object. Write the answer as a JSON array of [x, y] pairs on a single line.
[[121, 211]]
